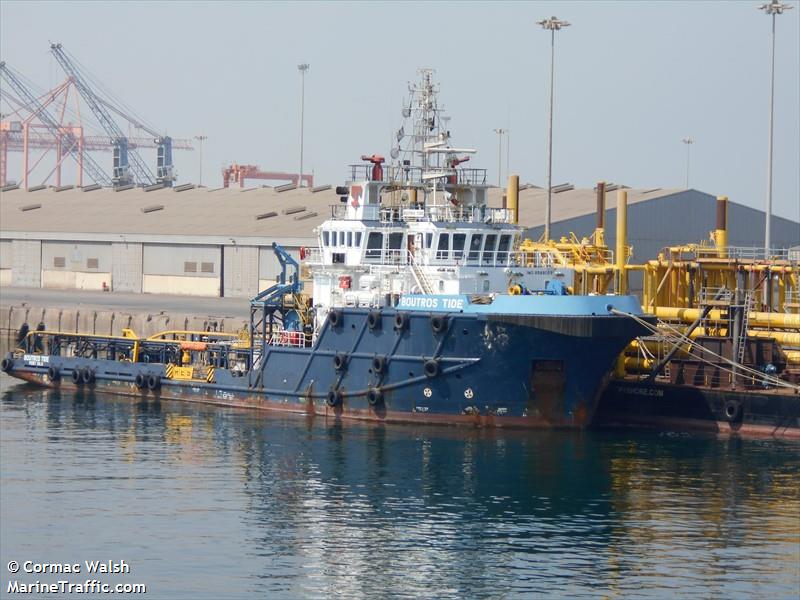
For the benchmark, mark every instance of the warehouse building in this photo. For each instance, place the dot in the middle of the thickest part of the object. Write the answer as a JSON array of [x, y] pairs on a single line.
[[218, 242]]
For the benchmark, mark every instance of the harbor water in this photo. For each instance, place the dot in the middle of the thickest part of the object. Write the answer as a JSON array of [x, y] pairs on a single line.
[[204, 502]]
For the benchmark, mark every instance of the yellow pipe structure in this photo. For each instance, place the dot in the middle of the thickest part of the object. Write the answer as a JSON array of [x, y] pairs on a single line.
[[513, 196], [784, 338], [622, 235], [756, 319]]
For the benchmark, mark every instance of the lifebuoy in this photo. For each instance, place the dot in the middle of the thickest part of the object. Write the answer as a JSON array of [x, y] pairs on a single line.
[[438, 323], [153, 382], [7, 365], [374, 396], [340, 361], [140, 381], [303, 253], [431, 367], [379, 365], [53, 373], [335, 318], [76, 376], [732, 410], [87, 376], [334, 398], [374, 320], [400, 321]]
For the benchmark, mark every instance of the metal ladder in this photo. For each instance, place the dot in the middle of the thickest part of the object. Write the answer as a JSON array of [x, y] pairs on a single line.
[[748, 305], [419, 275]]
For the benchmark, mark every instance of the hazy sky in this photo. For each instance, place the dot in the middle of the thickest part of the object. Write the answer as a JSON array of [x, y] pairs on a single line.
[[632, 80]]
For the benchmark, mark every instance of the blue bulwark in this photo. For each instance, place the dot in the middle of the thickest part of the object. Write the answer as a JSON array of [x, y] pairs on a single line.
[[522, 305]]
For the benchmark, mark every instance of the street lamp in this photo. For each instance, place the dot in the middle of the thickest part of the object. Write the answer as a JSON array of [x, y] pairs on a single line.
[[201, 139], [500, 133], [775, 7], [552, 24], [688, 141], [302, 68]]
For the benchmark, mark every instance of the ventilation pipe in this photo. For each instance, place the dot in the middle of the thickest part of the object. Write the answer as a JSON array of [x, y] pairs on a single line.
[[622, 234]]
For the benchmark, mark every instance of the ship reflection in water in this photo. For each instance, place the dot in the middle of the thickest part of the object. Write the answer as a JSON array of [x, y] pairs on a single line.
[[213, 503]]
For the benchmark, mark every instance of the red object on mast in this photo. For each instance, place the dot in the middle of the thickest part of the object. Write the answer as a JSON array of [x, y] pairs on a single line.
[[377, 166]]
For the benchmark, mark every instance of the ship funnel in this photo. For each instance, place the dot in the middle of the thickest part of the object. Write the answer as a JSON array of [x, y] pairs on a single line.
[[513, 197], [599, 232], [721, 232], [622, 235]]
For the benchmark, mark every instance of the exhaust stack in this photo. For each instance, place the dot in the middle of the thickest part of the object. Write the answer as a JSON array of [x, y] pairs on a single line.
[[599, 232], [721, 232], [513, 197]]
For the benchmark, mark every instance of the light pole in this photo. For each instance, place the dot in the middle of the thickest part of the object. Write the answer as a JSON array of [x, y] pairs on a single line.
[[775, 7], [302, 68], [201, 139], [500, 133], [688, 141], [553, 25]]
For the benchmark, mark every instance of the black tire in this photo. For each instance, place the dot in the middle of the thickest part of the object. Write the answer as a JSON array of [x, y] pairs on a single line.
[[374, 320], [76, 377], [87, 376], [334, 398], [340, 361], [335, 318], [7, 365], [374, 396], [431, 368], [153, 382], [379, 365], [53, 373], [439, 323], [140, 381], [400, 321], [732, 410]]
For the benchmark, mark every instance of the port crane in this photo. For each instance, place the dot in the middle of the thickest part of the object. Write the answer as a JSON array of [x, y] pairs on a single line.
[[129, 167], [65, 137]]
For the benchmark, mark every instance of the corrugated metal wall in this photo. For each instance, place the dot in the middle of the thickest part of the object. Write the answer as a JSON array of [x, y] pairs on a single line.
[[126, 262], [241, 271], [6, 252], [85, 257], [26, 263], [168, 259]]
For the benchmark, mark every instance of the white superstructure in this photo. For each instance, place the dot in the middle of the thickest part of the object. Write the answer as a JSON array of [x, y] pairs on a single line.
[[421, 225]]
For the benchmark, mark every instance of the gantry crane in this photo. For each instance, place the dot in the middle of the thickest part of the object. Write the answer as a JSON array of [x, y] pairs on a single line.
[[129, 168], [38, 109]]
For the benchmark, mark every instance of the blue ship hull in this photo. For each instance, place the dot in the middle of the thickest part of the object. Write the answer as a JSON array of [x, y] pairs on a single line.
[[516, 362]]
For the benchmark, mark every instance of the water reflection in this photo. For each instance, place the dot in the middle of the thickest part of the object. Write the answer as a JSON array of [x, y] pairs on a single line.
[[204, 501]]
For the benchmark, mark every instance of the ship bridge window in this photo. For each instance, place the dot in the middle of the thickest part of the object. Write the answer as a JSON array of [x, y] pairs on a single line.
[[326, 238], [459, 239], [374, 246], [395, 241], [502, 248], [443, 249], [475, 243], [341, 238], [489, 248], [350, 239], [358, 239], [428, 240]]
